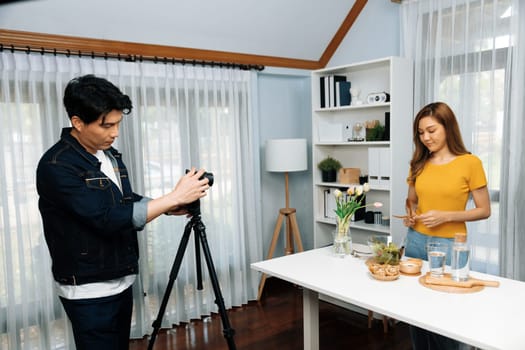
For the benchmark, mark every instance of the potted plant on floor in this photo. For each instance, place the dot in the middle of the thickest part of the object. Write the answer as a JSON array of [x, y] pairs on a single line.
[[329, 168]]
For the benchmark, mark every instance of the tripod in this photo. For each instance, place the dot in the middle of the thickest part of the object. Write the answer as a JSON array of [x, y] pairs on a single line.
[[200, 239]]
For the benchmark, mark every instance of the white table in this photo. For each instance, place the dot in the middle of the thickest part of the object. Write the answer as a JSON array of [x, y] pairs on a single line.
[[489, 319]]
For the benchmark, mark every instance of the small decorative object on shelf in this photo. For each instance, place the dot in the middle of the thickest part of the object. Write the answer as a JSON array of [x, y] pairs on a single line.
[[329, 168], [349, 175], [354, 93], [358, 132], [377, 97], [346, 206]]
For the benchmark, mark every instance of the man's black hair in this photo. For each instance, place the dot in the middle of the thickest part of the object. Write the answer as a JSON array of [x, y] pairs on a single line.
[[90, 97]]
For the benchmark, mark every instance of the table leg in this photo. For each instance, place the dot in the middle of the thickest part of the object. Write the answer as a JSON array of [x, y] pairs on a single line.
[[310, 319]]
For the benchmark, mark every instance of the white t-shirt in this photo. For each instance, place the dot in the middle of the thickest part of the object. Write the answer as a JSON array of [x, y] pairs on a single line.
[[105, 288]]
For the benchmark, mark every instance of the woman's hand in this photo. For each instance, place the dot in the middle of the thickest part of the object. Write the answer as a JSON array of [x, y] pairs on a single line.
[[410, 208], [409, 221], [433, 218]]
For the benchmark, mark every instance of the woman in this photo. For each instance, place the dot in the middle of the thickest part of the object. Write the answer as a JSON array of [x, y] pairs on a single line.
[[442, 176]]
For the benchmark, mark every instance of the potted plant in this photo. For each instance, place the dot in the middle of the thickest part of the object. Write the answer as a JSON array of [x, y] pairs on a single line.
[[376, 133], [329, 168]]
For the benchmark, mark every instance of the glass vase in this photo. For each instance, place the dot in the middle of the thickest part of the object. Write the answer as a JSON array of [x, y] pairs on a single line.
[[342, 239]]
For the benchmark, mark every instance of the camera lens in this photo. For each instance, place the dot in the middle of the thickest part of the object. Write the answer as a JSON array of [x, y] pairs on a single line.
[[209, 176]]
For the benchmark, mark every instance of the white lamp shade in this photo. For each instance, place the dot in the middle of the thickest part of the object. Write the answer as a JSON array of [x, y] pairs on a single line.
[[286, 155]]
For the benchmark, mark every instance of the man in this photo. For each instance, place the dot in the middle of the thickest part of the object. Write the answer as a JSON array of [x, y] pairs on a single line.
[[91, 215]]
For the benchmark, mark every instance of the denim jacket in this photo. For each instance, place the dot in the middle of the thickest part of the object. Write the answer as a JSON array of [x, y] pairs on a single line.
[[87, 220]]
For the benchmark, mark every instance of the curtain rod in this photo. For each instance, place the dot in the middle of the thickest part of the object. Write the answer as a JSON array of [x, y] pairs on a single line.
[[129, 57]]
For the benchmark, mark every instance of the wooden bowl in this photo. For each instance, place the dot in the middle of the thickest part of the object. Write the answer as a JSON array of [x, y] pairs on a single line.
[[385, 278], [416, 261], [384, 272], [410, 267]]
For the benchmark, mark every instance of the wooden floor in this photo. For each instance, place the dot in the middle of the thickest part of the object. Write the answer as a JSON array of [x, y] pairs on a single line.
[[276, 323]]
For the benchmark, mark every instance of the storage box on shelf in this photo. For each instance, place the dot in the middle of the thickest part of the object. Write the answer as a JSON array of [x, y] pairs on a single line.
[[337, 131]]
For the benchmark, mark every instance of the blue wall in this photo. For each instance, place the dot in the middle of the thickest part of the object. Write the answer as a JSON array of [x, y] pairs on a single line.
[[374, 34], [285, 112]]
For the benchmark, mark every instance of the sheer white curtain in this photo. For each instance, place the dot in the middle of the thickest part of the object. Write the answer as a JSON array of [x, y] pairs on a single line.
[[183, 116], [464, 53]]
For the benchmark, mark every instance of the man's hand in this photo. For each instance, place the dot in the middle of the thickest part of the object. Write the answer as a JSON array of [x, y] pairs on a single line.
[[189, 189]]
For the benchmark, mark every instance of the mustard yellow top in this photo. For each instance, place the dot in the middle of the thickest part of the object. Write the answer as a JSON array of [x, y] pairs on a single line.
[[446, 187]]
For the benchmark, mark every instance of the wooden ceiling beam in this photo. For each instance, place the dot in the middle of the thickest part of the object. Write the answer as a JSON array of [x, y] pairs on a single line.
[[341, 32], [86, 46]]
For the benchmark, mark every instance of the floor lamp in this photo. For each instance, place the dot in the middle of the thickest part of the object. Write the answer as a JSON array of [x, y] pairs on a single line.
[[284, 156]]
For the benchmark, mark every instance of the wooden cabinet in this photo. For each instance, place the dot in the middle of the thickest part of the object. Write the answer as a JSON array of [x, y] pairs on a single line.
[[386, 162]]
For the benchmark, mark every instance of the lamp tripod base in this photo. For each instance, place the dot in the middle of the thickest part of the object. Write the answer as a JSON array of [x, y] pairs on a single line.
[[292, 233]]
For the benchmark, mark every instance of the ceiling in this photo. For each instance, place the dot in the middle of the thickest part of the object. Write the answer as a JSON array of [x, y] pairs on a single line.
[[292, 30]]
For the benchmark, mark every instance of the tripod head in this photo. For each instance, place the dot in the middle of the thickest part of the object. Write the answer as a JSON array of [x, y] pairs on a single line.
[[194, 208]]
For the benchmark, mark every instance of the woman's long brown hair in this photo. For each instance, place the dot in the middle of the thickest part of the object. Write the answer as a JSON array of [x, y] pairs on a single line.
[[444, 115]]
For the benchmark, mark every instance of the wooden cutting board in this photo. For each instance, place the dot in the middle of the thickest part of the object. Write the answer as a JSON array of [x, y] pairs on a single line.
[[447, 284]]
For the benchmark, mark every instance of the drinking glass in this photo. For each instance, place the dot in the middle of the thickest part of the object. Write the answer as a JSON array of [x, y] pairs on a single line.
[[437, 255]]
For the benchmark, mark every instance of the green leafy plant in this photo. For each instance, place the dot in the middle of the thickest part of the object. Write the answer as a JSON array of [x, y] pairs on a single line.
[[386, 253], [329, 164], [376, 133]]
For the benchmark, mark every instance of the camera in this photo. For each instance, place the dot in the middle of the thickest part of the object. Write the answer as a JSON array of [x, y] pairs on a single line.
[[194, 207], [206, 175]]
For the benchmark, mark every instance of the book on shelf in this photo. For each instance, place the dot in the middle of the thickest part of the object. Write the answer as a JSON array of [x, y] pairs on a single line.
[[333, 79], [330, 94], [322, 92], [329, 204], [342, 93], [327, 91], [379, 167]]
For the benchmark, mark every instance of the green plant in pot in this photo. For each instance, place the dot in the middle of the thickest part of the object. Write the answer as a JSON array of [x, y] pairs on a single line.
[[329, 168], [376, 133]]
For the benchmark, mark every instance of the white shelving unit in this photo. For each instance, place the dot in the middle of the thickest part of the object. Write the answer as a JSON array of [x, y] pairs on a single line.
[[393, 75]]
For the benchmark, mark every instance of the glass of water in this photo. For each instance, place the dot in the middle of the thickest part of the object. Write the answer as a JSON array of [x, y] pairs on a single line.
[[437, 255]]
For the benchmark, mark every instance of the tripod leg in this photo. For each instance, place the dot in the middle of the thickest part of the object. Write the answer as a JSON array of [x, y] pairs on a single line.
[[227, 330], [198, 264], [173, 275]]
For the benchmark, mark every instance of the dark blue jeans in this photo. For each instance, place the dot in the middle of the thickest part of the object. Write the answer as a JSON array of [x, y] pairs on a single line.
[[415, 247], [101, 323]]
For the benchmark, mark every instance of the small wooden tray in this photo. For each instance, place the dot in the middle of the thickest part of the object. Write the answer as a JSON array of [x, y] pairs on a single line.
[[449, 289]]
